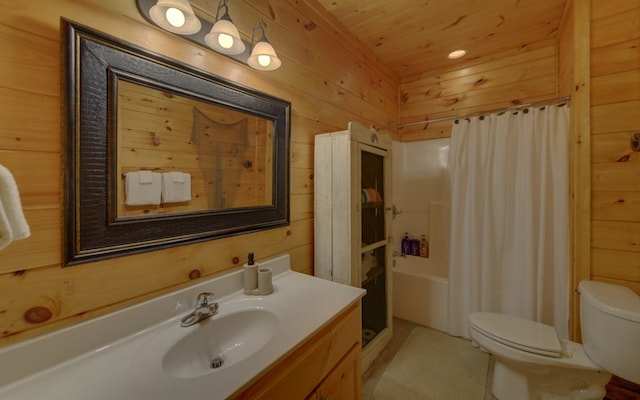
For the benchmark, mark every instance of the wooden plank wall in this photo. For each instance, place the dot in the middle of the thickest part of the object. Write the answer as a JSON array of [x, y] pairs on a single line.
[[566, 45], [573, 71], [513, 76], [615, 168], [327, 75]]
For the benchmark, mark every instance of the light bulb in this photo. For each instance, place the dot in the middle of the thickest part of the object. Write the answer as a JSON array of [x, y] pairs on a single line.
[[225, 41], [175, 17], [457, 54], [264, 60]]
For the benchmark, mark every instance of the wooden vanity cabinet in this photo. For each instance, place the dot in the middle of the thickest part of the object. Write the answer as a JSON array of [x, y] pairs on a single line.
[[325, 366]]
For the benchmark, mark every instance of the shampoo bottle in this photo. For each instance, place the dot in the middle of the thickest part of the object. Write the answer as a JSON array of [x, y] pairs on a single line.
[[415, 247], [406, 244], [424, 247]]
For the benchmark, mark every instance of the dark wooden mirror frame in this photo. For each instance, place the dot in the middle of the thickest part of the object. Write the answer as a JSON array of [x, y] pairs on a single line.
[[92, 64]]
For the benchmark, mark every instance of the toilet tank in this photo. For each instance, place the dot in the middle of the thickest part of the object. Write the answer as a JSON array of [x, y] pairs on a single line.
[[610, 323]]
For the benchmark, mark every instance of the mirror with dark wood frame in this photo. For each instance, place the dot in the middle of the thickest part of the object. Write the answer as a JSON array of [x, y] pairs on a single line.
[[161, 154]]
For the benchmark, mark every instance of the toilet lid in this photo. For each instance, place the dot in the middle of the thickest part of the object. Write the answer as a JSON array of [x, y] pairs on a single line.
[[530, 336]]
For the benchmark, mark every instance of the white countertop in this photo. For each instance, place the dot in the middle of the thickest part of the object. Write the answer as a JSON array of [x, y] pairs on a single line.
[[109, 358]]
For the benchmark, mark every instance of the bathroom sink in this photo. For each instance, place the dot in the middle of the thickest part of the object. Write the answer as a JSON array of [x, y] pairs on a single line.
[[219, 342]]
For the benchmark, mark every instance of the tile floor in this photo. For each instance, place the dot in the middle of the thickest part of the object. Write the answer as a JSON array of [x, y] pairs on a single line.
[[374, 373]]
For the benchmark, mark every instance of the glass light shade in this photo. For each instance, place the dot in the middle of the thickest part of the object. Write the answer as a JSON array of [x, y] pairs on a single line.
[[168, 15], [263, 57], [224, 38]]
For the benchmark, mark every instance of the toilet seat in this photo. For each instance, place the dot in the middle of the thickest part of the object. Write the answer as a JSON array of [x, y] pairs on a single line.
[[529, 336]]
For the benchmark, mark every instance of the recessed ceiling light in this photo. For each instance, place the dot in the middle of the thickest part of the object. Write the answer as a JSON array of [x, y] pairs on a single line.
[[457, 54]]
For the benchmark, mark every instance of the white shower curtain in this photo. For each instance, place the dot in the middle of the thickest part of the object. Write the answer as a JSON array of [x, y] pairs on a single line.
[[509, 187]]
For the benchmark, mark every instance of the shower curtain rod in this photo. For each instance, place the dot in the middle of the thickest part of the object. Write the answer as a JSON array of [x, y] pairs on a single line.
[[477, 113]]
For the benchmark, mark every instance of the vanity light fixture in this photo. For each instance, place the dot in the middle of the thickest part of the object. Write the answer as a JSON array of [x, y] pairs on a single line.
[[263, 57], [457, 54], [175, 16], [224, 36]]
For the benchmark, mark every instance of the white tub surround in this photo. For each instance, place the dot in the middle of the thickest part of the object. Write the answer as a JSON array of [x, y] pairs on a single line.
[[421, 285], [420, 292], [120, 355]]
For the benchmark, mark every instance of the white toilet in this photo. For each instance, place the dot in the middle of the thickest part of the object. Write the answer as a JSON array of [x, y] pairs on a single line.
[[531, 362]]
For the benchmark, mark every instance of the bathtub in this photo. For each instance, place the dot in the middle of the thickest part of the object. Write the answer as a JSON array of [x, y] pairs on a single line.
[[420, 291]]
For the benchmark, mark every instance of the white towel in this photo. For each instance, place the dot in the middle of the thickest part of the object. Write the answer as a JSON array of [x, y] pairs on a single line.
[[13, 225], [142, 188], [176, 187], [145, 177]]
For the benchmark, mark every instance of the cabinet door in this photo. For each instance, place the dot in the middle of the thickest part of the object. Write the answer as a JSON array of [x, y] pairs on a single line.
[[373, 168], [343, 383]]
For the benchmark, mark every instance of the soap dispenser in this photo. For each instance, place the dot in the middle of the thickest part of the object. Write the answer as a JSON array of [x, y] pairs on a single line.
[[250, 275]]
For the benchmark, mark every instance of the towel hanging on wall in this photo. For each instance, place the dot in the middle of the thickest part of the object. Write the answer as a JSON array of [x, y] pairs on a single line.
[[13, 225]]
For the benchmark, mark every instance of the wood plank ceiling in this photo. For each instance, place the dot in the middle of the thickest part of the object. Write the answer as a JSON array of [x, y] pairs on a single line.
[[414, 36]]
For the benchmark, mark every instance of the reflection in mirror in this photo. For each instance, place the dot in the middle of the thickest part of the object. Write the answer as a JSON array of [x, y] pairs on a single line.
[[227, 154]]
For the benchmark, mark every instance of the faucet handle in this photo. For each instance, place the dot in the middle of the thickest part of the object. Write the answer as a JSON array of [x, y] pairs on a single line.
[[205, 298], [205, 308]]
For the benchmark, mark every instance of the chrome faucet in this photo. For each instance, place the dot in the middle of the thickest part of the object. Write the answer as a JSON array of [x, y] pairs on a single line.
[[205, 308]]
